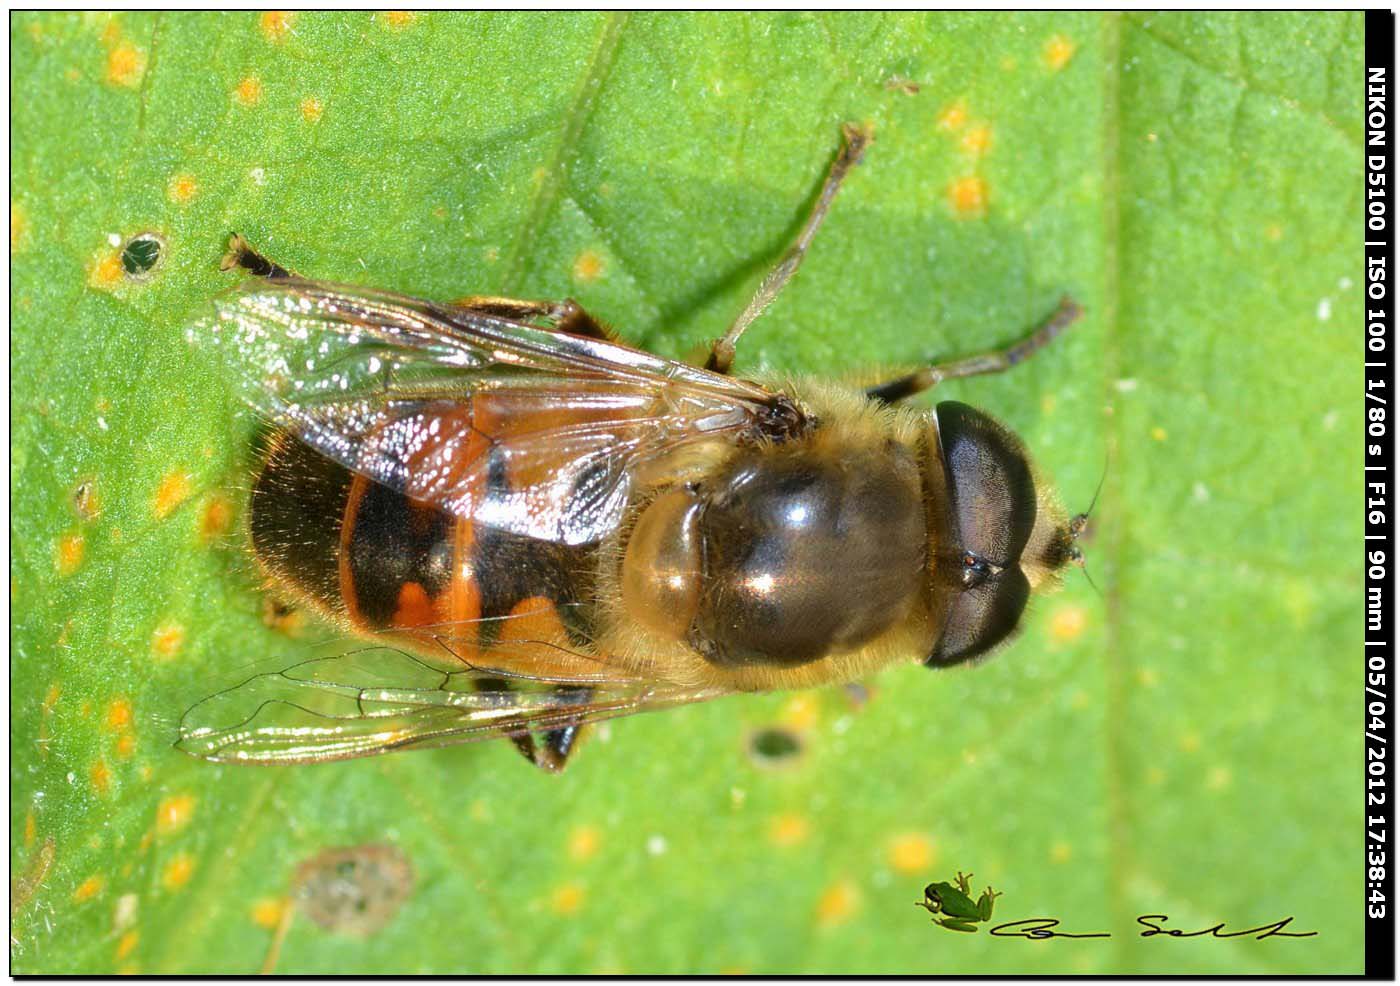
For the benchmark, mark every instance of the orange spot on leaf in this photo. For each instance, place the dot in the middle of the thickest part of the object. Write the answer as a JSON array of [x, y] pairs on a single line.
[[174, 813], [101, 777], [583, 842], [1058, 52], [968, 196], [166, 640], [19, 225], [911, 852], [105, 271], [788, 830], [69, 552], [125, 65], [126, 746], [588, 266], [89, 889], [311, 109], [216, 519], [127, 944], [249, 91], [267, 913], [954, 115], [398, 19], [173, 490], [837, 904], [119, 714], [177, 872], [566, 899], [181, 189], [276, 24], [978, 140], [1068, 623]]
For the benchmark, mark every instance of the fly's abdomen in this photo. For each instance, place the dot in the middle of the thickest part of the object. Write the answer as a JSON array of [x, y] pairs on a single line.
[[388, 563]]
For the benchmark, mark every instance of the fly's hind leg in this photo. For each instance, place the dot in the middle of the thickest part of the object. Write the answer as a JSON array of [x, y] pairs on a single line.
[[565, 316], [549, 749], [993, 361], [855, 139], [241, 254]]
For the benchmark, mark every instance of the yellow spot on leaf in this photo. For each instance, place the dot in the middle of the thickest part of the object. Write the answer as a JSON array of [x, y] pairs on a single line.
[[177, 872], [1156, 775], [127, 944], [276, 24], [126, 746], [1148, 677], [1159, 434], [89, 889], [311, 109], [173, 490], [1219, 778], [588, 266], [978, 140], [105, 271], [267, 913], [51, 698], [30, 828], [19, 225], [1058, 51], [181, 188], [1190, 742], [911, 852], [800, 712], [101, 777], [566, 899], [249, 91], [954, 115], [398, 19], [968, 197], [837, 904], [1274, 232], [788, 830], [118, 714], [1061, 852], [583, 842], [166, 640], [1068, 623], [217, 516], [174, 813], [125, 65], [69, 553]]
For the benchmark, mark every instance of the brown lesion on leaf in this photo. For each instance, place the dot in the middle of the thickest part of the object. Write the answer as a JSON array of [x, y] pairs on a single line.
[[86, 502]]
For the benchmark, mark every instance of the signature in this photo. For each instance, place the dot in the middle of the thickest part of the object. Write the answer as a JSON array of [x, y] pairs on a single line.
[[1041, 928]]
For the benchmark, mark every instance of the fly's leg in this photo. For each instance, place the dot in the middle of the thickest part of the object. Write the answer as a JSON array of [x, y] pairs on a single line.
[[240, 254], [855, 139], [549, 749], [990, 362], [565, 316]]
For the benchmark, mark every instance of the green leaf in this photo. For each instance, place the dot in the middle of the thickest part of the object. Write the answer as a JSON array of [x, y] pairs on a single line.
[[1184, 744]]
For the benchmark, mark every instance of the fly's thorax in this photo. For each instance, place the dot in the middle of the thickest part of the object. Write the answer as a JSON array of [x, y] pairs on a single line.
[[997, 532], [783, 556]]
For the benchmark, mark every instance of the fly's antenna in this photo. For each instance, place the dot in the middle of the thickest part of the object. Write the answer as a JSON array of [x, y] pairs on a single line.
[[1081, 521], [1077, 526]]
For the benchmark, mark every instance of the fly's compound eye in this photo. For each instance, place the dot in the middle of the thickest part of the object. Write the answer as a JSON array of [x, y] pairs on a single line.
[[992, 511]]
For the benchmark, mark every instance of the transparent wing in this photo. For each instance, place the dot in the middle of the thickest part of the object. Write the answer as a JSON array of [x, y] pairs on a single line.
[[379, 699], [519, 427]]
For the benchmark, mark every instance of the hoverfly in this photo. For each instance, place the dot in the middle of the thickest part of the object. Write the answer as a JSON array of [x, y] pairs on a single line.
[[537, 527]]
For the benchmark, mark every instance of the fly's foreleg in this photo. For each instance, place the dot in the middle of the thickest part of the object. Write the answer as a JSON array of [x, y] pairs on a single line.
[[989, 362], [855, 139]]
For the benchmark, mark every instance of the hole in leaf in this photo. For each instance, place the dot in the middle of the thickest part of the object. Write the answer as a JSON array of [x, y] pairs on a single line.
[[142, 254], [775, 747]]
